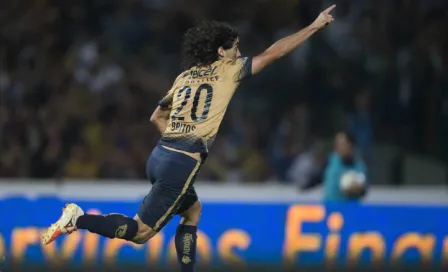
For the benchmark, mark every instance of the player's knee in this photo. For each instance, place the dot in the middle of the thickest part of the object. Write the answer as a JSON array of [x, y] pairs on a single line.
[[143, 237], [144, 232], [192, 216]]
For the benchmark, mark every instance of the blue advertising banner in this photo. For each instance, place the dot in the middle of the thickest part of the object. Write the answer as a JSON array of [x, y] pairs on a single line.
[[238, 234]]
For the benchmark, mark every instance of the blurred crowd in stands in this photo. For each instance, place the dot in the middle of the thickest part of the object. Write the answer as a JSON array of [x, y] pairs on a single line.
[[80, 79]]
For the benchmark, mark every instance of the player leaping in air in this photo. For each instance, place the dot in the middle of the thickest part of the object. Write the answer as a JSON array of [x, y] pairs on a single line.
[[188, 118]]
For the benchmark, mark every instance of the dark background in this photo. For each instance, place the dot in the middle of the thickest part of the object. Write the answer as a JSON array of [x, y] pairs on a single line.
[[80, 79]]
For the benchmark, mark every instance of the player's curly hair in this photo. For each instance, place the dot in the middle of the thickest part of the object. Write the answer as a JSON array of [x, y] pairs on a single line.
[[201, 43]]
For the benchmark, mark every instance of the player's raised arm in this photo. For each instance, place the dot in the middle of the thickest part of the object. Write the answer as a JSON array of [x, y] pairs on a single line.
[[289, 43]]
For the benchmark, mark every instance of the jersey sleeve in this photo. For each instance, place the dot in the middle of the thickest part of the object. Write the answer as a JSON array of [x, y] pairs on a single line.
[[167, 100], [241, 68]]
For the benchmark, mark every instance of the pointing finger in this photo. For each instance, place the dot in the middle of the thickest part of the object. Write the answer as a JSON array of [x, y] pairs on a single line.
[[330, 9]]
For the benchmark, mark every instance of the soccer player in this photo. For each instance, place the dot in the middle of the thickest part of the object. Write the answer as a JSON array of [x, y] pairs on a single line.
[[188, 118], [343, 159]]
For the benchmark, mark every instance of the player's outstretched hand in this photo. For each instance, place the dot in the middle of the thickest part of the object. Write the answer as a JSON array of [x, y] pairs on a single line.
[[324, 18]]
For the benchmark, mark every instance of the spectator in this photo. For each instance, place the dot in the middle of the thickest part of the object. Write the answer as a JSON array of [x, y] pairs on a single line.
[[80, 164], [359, 123], [342, 160], [306, 165]]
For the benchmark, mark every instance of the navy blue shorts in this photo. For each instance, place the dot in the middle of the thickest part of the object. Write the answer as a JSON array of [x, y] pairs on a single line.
[[172, 175]]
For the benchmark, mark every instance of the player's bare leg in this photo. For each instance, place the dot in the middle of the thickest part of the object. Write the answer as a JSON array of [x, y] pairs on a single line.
[[144, 233], [186, 237], [111, 225]]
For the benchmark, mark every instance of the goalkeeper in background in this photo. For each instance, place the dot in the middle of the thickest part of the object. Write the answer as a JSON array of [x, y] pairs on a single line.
[[343, 174]]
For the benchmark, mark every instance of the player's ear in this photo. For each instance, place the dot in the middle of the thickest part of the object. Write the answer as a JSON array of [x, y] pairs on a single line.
[[221, 52]]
